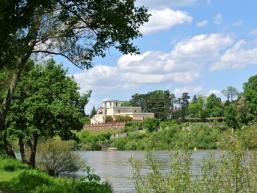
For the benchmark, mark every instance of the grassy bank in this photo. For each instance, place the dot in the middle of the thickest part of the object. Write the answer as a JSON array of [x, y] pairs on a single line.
[[168, 136], [16, 177]]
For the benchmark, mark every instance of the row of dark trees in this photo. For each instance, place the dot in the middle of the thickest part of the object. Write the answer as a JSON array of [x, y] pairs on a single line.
[[237, 109]]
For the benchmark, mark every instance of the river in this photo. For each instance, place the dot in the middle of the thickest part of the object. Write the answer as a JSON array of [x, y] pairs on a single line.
[[114, 166]]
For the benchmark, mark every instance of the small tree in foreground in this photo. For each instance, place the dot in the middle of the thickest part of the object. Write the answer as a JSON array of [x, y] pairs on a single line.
[[56, 157], [231, 172]]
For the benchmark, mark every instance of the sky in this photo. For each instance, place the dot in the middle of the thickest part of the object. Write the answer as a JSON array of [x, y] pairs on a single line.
[[195, 46]]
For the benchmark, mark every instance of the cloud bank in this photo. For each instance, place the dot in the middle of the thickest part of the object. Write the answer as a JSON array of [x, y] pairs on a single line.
[[165, 19]]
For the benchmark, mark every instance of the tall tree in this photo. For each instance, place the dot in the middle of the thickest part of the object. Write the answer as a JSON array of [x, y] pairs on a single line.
[[184, 102], [93, 112], [157, 102], [47, 103], [250, 95], [77, 30], [196, 107], [231, 116], [230, 93], [214, 106]]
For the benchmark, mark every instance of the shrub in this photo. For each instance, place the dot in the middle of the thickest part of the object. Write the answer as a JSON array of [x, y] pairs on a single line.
[[133, 126], [108, 119], [123, 119], [151, 124], [55, 157], [248, 136], [235, 171], [94, 141], [120, 143]]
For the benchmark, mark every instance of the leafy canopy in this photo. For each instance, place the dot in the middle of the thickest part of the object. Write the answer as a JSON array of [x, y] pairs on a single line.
[[78, 30]]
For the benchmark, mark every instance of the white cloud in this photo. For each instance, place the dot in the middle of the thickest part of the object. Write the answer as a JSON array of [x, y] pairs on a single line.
[[237, 57], [192, 90], [216, 92], [182, 64], [218, 19], [165, 19], [202, 23], [158, 4]]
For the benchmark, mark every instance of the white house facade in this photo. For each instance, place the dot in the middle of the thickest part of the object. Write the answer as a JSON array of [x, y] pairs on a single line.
[[114, 108]]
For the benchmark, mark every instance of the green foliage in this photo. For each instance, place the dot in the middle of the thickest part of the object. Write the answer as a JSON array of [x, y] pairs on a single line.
[[234, 171], [134, 141], [97, 34], [11, 165], [125, 104], [230, 93], [196, 108], [248, 136], [56, 157], [120, 143], [151, 124], [157, 102], [94, 141], [93, 112], [123, 119], [231, 116], [108, 119], [26, 180], [85, 120], [47, 103], [250, 94], [184, 103], [133, 126], [35, 28], [205, 138], [214, 106]]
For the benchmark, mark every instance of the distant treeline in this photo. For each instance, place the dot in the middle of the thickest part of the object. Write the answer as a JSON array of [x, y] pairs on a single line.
[[238, 109]]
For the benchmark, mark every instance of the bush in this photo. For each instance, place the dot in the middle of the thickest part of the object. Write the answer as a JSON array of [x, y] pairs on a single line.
[[151, 124], [94, 141], [34, 181], [123, 119], [248, 136], [120, 143], [56, 157], [235, 171], [133, 126], [108, 119]]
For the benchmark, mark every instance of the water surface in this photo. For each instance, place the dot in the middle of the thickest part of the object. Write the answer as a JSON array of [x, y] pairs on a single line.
[[114, 166]]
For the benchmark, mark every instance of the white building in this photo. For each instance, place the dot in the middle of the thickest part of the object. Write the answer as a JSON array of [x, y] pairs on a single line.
[[114, 108]]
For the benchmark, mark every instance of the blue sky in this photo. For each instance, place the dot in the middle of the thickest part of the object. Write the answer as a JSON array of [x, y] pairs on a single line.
[[198, 46]]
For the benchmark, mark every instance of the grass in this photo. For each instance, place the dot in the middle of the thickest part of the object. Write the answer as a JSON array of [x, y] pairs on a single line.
[[16, 177]]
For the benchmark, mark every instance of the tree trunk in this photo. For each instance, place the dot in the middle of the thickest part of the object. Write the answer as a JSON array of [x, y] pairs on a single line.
[[22, 150], [8, 99], [7, 102], [8, 147], [33, 150]]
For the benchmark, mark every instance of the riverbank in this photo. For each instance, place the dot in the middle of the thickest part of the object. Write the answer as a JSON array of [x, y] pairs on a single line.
[[168, 136], [16, 177]]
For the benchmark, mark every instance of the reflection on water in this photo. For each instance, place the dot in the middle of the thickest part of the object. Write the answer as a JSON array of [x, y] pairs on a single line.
[[114, 166]]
